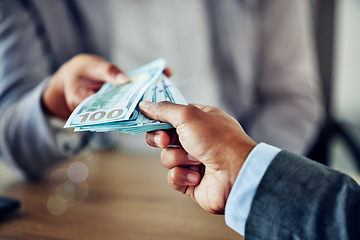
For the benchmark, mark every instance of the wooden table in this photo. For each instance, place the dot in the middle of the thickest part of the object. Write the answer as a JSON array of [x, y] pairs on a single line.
[[124, 197]]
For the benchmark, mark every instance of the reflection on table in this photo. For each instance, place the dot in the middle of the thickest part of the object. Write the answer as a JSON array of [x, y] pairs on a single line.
[[106, 195]]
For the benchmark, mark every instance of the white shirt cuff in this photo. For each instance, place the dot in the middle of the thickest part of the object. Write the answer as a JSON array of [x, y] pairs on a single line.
[[243, 191]]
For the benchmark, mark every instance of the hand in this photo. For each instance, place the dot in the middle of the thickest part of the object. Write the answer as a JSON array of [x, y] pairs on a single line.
[[213, 148], [75, 80]]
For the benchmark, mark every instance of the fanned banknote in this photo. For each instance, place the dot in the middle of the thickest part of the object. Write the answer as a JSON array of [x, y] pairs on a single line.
[[117, 107]]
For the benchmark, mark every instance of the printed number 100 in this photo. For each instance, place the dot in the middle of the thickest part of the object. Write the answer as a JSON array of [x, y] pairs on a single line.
[[96, 116]]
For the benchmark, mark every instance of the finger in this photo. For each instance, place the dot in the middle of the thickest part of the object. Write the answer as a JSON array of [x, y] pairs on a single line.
[[75, 95], [196, 168], [168, 72], [92, 84], [163, 138], [74, 100], [180, 178], [176, 157], [97, 68], [172, 113], [159, 139]]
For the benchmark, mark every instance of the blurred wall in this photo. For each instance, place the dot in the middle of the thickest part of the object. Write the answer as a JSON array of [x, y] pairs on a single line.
[[347, 81], [347, 61]]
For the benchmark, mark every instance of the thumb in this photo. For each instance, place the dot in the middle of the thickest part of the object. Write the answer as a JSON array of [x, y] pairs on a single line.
[[169, 112]]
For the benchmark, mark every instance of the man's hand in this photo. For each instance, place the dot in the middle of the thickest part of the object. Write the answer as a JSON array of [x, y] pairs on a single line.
[[75, 80], [212, 149]]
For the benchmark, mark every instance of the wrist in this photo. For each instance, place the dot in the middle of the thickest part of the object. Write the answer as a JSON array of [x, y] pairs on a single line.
[[243, 149]]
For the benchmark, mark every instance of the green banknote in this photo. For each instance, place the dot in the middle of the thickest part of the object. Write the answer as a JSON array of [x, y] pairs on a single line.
[[116, 107]]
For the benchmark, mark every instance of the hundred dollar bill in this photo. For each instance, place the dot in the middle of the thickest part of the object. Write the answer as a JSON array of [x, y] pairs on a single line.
[[116, 103], [117, 107], [163, 90], [160, 90]]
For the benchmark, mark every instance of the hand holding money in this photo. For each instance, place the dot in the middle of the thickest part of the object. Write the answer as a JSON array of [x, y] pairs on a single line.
[[116, 107], [74, 81], [212, 148]]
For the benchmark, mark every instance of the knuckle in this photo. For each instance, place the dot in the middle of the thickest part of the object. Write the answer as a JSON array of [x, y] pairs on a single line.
[[188, 112], [156, 110], [213, 109], [163, 104]]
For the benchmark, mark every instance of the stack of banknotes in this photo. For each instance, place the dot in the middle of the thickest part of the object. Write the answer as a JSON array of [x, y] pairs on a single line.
[[117, 107]]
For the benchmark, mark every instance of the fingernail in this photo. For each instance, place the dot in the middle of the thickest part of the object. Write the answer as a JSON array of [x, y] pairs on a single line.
[[192, 177], [145, 105], [191, 158], [157, 140], [121, 78], [168, 72]]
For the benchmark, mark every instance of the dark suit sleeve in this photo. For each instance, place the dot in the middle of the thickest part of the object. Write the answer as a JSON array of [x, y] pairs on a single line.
[[301, 199]]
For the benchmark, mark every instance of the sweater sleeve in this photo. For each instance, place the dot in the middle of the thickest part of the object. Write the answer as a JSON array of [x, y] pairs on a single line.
[[27, 139]]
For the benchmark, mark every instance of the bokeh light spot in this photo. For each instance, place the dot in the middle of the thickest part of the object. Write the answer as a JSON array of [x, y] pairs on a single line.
[[78, 172], [56, 205]]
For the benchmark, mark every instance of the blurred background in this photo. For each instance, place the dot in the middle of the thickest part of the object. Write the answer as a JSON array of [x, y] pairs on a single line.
[[336, 24], [344, 78], [338, 37]]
